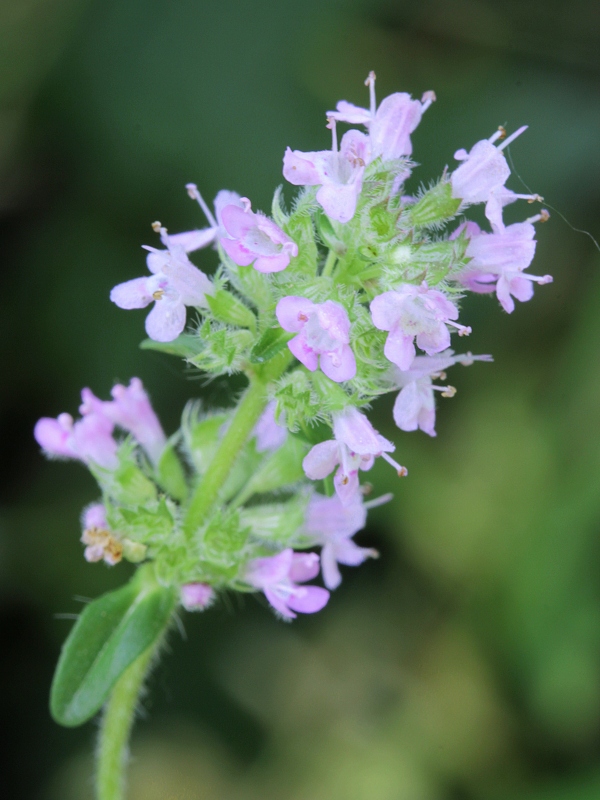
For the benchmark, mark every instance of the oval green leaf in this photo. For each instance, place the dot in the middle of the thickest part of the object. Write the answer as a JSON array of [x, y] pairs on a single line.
[[109, 635]]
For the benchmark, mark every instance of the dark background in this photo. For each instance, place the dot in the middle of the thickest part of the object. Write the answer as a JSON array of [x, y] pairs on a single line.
[[465, 663]]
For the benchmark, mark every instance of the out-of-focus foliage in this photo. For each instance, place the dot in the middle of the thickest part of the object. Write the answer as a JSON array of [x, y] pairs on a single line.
[[465, 663]]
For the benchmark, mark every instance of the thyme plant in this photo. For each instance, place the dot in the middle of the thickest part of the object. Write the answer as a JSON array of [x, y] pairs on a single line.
[[350, 294]]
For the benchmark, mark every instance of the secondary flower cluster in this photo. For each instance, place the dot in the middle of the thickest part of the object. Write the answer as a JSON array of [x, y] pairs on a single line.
[[350, 295]]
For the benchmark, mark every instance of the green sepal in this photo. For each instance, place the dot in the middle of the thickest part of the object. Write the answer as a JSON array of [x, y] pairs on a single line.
[[126, 484], [170, 473], [270, 343], [300, 228], [436, 206], [328, 235], [187, 345], [109, 635], [227, 308], [201, 436]]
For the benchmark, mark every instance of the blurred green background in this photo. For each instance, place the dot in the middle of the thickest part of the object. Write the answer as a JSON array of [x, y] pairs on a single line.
[[465, 663]]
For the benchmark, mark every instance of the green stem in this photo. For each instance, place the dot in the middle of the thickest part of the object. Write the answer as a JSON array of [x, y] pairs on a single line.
[[248, 412], [329, 264], [116, 727]]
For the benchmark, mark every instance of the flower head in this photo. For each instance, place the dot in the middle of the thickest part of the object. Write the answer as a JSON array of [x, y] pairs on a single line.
[[355, 446], [278, 577], [323, 335], [414, 312], [333, 525], [252, 238]]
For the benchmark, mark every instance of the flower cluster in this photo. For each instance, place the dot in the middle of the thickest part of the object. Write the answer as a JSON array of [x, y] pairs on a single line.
[[351, 294]]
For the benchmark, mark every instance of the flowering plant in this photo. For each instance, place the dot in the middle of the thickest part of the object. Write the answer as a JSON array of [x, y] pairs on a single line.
[[352, 293]]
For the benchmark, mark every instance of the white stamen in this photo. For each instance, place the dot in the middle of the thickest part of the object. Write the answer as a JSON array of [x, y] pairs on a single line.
[[331, 124], [402, 471], [378, 501], [193, 192], [513, 136], [370, 82], [246, 203], [447, 391], [463, 330]]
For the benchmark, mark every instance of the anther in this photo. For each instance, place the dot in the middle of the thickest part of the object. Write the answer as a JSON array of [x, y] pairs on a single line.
[[402, 471], [156, 226], [450, 391], [158, 294], [193, 192]]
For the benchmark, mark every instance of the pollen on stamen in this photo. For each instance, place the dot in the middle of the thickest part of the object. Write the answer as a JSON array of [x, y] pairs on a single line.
[[449, 391], [156, 226], [158, 294], [402, 471]]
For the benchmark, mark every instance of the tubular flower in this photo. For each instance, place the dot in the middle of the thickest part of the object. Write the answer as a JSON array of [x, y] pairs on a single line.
[[355, 447], [333, 525], [278, 577], [414, 312], [323, 335], [339, 174], [390, 125], [415, 404], [89, 439], [498, 261], [131, 410], [252, 238], [174, 284]]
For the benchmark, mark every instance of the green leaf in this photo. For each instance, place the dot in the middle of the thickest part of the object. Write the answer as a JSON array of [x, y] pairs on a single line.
[[270, 343], [109, 635], [185, 346], [283, 468]]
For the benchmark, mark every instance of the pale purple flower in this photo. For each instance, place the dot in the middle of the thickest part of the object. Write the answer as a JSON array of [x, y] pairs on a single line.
[[483, 172], [174, 284], [269, 435], [196, 596], [278, 577], [355, 446], [131, 410], [323, 335], [89, 439], [498, 261], [339, 174], [252, 238], [333, 525], [415, 404], [414, 312], [390, 125]]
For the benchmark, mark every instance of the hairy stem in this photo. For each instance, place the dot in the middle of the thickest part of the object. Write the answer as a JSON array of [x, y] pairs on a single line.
[[251, 406], [330, 262], [116, 727]]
